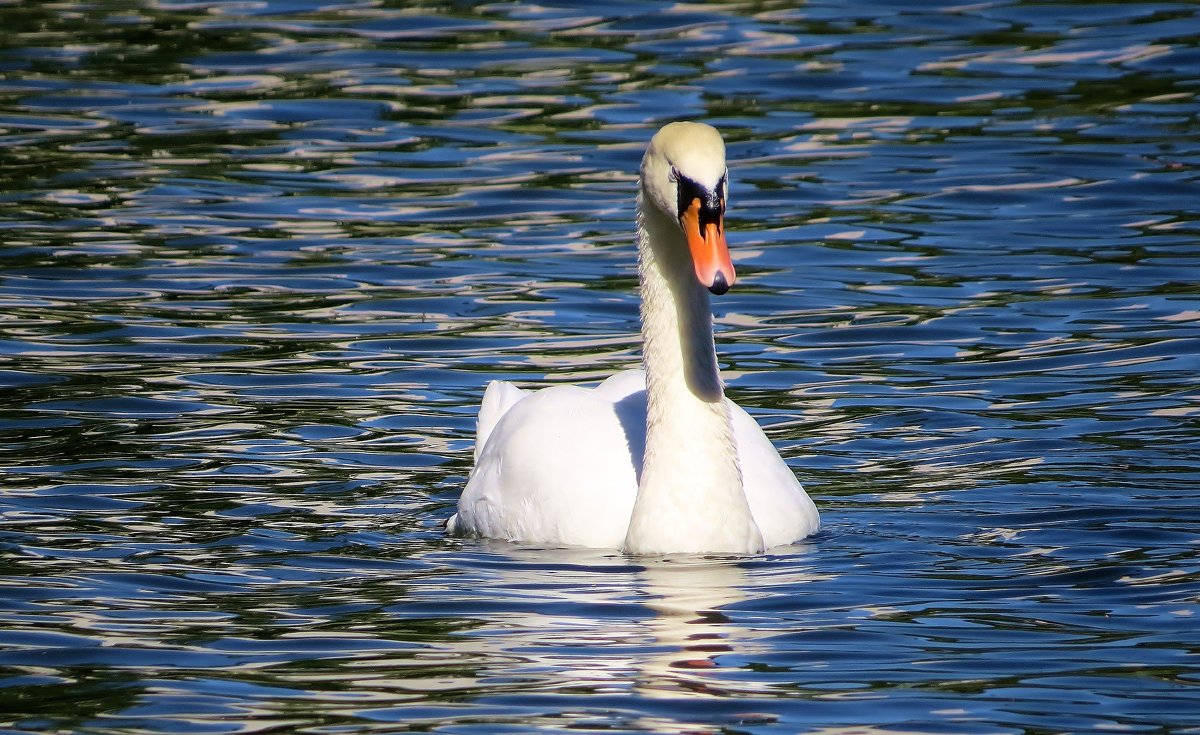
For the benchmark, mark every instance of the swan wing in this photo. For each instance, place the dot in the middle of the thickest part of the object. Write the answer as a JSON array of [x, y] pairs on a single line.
[[620, 385], [500, 396], [557, 467], [783, 511]]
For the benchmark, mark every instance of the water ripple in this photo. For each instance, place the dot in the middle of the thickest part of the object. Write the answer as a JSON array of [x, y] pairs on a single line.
[[260, 258]]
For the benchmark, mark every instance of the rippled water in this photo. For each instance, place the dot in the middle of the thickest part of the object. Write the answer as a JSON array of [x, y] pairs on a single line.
[[260, 258]]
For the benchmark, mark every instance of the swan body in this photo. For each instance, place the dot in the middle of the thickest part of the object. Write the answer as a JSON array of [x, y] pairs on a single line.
[[652, 461]]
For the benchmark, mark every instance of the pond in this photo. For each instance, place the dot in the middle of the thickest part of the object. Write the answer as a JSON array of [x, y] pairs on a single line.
[[260, 259]]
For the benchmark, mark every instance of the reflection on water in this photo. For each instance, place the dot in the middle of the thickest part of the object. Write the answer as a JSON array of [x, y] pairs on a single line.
[[259, 259], [609, 626]]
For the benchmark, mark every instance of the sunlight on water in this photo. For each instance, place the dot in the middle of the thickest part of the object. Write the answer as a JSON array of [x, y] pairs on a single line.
[[260, 259]]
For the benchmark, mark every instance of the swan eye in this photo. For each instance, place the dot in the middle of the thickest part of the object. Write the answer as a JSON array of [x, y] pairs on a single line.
[[673, 176]]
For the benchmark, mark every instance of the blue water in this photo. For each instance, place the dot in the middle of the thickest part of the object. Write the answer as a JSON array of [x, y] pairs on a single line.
[[260, 259]]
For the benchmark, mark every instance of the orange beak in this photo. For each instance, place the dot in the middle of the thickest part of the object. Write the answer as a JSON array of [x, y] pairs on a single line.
[[710, 254]]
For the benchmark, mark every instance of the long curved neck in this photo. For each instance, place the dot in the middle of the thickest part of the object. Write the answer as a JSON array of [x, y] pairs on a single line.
[[690, 495], [678, 351]]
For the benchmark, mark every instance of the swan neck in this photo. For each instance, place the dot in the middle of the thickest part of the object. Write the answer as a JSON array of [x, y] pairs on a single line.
[[690, 495], [678, 349]]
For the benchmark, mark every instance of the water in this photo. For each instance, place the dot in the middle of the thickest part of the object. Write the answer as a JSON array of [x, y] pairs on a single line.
[[260, 259]]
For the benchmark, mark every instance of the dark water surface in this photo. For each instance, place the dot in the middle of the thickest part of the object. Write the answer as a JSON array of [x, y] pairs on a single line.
[[260, 258]]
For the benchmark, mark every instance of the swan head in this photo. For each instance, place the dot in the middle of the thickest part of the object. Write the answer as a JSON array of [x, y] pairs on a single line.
[[684, 176]]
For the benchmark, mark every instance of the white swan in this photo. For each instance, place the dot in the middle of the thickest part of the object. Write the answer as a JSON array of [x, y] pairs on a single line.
[[655, 461]]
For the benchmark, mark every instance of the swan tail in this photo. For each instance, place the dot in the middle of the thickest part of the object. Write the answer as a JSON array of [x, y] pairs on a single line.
[[497, 399]]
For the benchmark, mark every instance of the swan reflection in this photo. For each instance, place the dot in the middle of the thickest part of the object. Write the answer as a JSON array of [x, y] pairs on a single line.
[[690, 631], [598, 621]]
